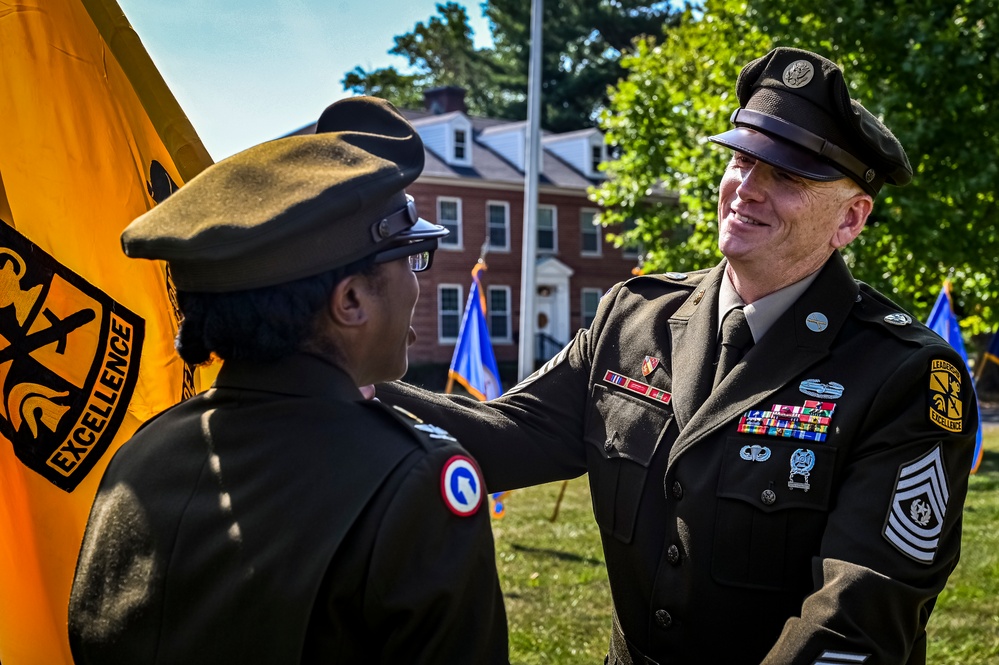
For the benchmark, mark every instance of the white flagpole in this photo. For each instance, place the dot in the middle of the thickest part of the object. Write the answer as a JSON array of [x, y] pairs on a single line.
[[532, 168]]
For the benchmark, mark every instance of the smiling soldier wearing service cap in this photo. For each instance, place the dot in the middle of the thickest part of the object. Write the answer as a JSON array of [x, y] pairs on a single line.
[[280, 517], [777, 454]]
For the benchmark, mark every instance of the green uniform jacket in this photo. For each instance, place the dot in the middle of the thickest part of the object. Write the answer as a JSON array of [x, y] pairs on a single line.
[[766, 545], [280, 518]]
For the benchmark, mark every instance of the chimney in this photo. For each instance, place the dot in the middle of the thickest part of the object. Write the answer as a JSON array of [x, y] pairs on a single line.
[[444, 100]]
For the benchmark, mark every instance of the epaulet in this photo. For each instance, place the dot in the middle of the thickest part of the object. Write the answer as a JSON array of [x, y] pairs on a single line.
[[879, 310], [426, 432], [683, 279]]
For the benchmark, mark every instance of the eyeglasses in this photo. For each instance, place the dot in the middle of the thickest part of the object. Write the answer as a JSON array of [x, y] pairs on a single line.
[[419, 253]]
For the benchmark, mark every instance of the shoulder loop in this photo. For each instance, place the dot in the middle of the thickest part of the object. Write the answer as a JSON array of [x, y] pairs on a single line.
[[877, 309]]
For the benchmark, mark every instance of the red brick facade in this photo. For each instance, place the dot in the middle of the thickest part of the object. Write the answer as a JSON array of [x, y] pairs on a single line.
[[453, 267]]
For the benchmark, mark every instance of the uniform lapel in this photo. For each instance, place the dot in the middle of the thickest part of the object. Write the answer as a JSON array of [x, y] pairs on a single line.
[[694, 329], [788, 349]]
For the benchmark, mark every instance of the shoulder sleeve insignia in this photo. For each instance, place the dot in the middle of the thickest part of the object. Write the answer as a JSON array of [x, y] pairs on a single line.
[[917, 509], [461, 486], [946, 407]]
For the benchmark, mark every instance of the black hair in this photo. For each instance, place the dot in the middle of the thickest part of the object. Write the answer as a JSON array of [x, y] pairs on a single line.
[[262, 324]]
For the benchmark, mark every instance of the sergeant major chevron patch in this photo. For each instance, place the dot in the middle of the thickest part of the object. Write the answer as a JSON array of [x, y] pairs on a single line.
[[917, 509]]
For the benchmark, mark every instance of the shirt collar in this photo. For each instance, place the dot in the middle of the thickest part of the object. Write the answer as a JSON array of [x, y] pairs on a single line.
[[764, 312]]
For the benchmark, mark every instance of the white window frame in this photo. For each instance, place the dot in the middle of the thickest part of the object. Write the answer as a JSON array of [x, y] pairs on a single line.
[[554, 248], [441, 339], [596, 230], [583, 323], [505, 248], [457, 244], [508, 315], [596, 157]]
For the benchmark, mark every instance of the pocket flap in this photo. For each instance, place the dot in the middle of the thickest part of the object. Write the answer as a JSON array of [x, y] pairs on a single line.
[[625, 426]]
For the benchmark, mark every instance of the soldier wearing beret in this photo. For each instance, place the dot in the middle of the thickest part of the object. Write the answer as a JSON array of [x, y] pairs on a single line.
[[777, 453], [280, 517]]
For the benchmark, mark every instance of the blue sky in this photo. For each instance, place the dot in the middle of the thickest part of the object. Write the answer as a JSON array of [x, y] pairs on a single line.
[[246, 71]]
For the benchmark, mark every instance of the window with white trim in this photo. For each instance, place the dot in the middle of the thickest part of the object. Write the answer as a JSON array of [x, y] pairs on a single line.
[[596, 157], [547, 229], [589, 233], [449, 216], [588, 301], [498, 225], [499, 313], [449, 310]]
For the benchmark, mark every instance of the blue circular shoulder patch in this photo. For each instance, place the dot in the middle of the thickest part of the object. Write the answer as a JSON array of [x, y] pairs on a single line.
[[461, 486]]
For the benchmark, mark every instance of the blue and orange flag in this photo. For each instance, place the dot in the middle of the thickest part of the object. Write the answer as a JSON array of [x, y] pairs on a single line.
[[943, 322], [90, 138], [474, 363]]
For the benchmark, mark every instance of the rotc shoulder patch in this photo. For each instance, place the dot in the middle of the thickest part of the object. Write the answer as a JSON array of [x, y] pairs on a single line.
[[918, 506], [69, 360], [946, 407]]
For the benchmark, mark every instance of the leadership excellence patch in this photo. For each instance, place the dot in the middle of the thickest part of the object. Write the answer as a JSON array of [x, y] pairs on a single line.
[[945, 396], [69, 360]]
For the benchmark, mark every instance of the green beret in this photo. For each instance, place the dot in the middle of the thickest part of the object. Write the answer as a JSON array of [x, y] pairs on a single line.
[[796, 113], [293, 207]]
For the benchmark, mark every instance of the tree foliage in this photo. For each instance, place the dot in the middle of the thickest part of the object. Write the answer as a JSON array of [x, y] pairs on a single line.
[[583, 42], [930, 68]]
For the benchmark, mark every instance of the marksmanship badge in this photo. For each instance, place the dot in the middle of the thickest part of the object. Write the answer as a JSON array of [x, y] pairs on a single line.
[[945, 396], [917, 508], [69, 360]]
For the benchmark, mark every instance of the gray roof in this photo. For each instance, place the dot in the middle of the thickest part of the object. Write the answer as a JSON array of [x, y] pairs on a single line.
[[487, 165]]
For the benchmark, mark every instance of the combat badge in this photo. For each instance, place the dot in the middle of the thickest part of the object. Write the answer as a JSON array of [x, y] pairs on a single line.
[[917, 508], [461, 486], [815, 388], [69, 360], [945, 396]]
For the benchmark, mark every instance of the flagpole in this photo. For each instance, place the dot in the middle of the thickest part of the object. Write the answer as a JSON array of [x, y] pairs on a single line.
[[526, 358]]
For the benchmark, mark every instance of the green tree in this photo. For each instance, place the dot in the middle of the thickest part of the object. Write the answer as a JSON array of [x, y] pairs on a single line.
[[441, 53], [583, 43], [680, 88], [929, 67]]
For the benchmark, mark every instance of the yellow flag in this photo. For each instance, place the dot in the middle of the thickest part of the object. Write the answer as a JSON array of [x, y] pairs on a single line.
[[90, 138]]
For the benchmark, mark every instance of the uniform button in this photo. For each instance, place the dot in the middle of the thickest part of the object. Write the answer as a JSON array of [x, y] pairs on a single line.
[[673, 554], [677, 490], [768, 497], [664, 619]]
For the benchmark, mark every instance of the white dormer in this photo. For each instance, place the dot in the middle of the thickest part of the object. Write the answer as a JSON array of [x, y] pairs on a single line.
[[583, 150], [448, 136], [507, 140]]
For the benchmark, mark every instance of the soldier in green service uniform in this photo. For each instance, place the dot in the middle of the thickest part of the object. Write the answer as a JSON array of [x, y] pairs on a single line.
[[280, 517], [777, 453]]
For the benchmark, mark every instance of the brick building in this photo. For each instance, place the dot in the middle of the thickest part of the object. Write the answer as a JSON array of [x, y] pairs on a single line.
[[473, 183]]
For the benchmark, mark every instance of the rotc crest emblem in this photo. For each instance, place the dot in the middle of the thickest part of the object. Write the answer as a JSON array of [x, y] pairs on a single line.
[[649, 365], [69, 359], [945, 396]]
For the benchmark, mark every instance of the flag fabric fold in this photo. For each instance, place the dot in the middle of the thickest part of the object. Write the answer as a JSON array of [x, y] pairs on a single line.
[[474, 363], [91, 138], [943, 322]]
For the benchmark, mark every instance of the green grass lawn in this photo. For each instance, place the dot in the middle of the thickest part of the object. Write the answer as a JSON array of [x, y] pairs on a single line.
[[558, 599]]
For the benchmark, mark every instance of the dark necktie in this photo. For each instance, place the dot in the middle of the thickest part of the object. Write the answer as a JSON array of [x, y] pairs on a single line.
[[736, 338]]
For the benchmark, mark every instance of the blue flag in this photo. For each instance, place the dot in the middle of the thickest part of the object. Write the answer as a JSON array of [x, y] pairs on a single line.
[[474, 364], [943, 322]]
